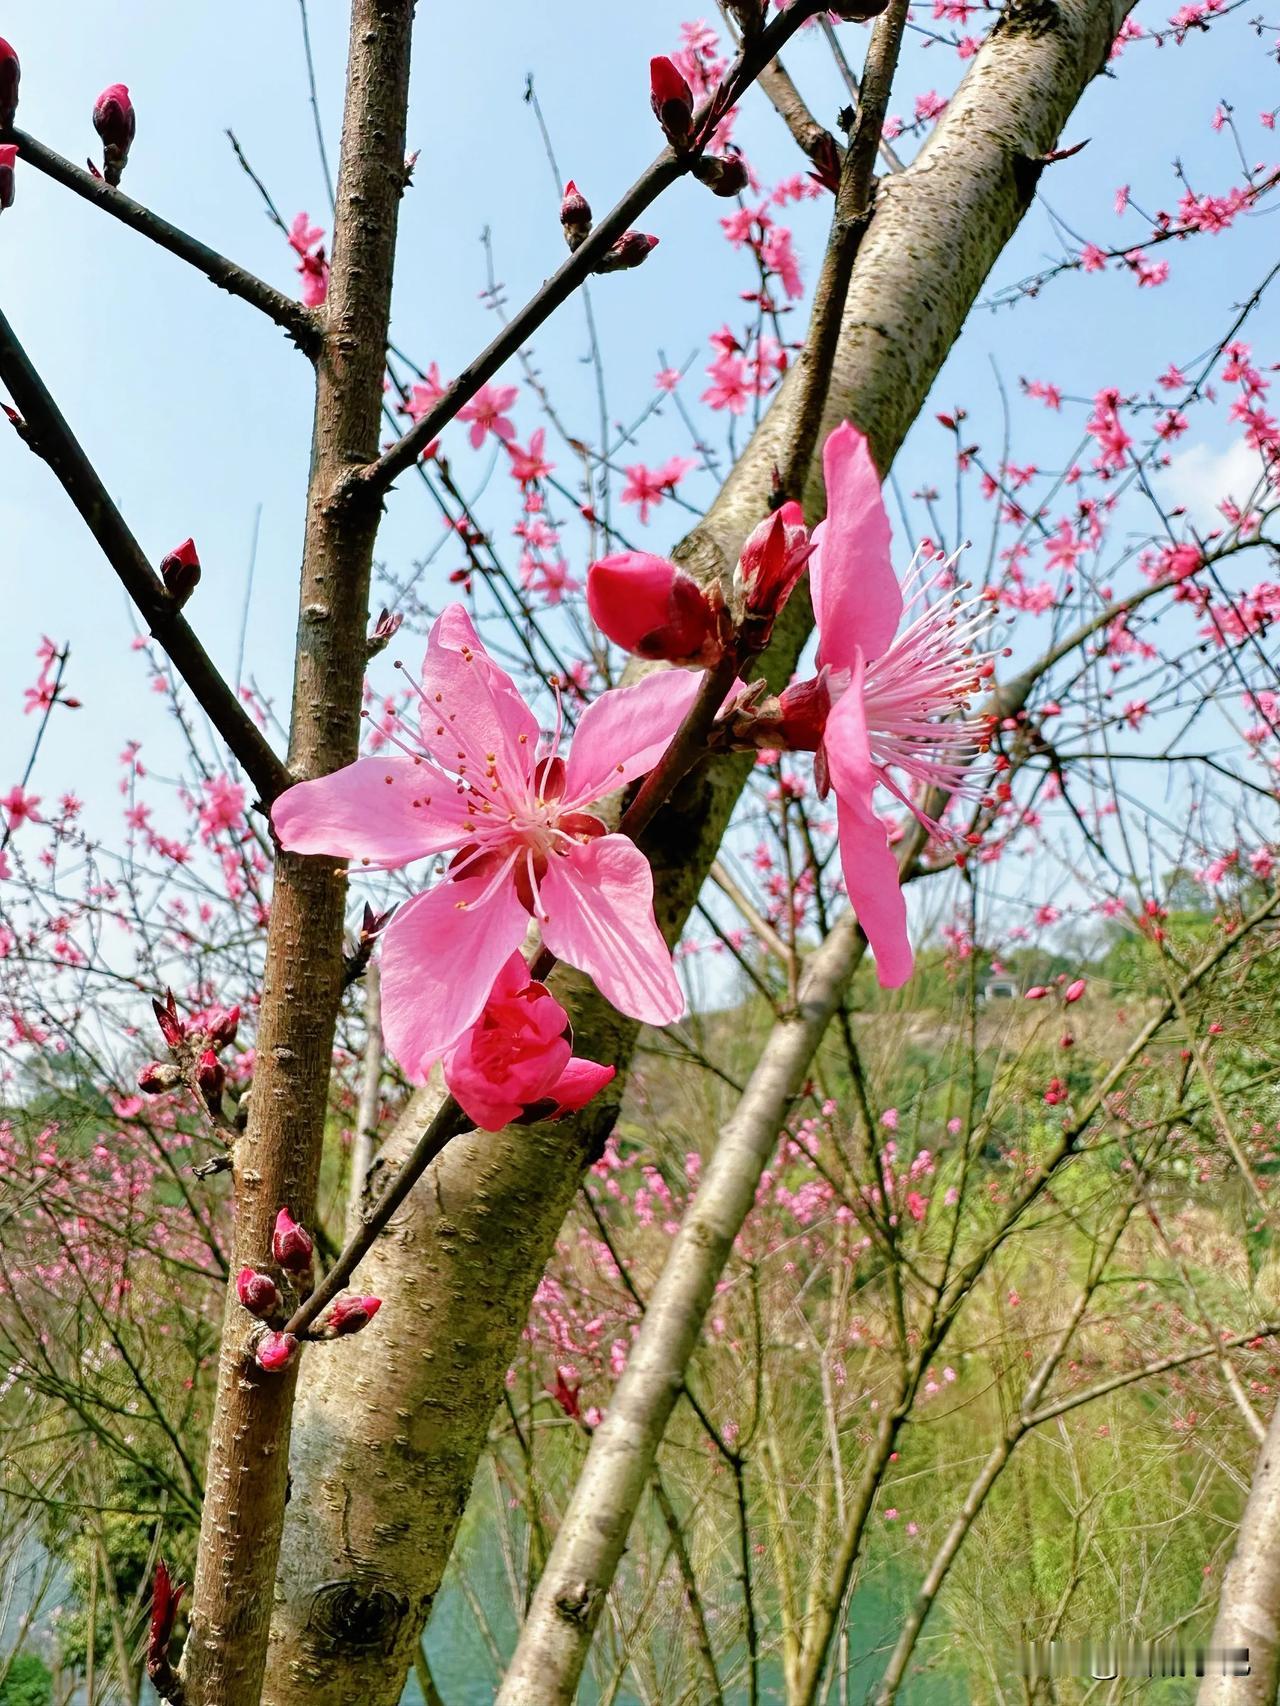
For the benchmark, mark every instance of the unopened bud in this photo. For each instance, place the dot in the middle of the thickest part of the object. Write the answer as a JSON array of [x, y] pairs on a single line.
[[651, 607], [276, 1351], [291, 1244], [723, 174], [1037, 992], [384, 631], [180, 572], [8, 174], [157, 1076], [631, 249], [825, 155], [166, 1597], [116, 123], [211, 1079], [222, 1023], [575, 216], [771, 563], [1074, 991], [10, 76], [672, 101], [259, 1293], [348, 1315]]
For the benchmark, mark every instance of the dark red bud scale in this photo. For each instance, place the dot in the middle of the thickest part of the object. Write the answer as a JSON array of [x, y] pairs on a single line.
[[10, 76]]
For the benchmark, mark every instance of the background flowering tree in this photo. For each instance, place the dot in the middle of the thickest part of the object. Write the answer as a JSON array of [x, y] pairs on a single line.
[[738, 1318]]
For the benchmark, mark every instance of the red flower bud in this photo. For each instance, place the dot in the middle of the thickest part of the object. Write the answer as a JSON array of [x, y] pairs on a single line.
[[575, 216], [10, 75], [826, 162], [211, 1079], [180, 572], [291, 1244], [276, 1351], [158, 1076], [171, 1026], [259, 1293], [1037, 992], [1074, 991], [771, 563], [629, 251], [672, 101], [723, 174], [804, 707], [8, 174], [166, 1597], [649, 606], [348, 1315], [116, 123]]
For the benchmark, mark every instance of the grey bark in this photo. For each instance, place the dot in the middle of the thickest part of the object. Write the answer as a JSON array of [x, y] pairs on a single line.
[[390, 1426], [1249, 1605]]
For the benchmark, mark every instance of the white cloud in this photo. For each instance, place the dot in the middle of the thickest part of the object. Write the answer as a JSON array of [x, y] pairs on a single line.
[[1199, 478]]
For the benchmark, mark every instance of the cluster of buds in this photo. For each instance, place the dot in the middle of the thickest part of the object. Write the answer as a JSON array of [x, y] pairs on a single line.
[[1070, 994], [10, 77], [653, 608], [180, 572], [116, 124], [1057, 1092], [194, 1045]]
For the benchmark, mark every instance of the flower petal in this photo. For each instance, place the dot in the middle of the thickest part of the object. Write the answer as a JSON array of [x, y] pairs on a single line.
[[856, 597], [381, 812], [472, 715], [624, 732], [597, 913], [440, 957], [579, 1082], [870, 869]]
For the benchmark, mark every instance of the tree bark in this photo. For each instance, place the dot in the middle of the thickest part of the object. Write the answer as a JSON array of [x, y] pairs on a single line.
[[277, 1160], [1249, 1605], [390, 1426]]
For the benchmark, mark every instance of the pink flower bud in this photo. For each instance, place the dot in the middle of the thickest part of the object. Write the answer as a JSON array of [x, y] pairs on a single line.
[[116, 123], [1037, 992], [222, 1023], [575, 216], [349, 1315], [8, 173], [771, 563], [171, 1026], [291, 1244], [259, 1293], [723, 174], [276, 1351], [180, 572], [672, 101], [211, 1079], [385, 630], [1074, 991], [629, 251], [10, 75], [158, 1076], [649, 606]]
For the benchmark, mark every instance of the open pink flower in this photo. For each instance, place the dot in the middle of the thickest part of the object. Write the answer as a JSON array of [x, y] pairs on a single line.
[[517, 1060], [476, 782], [487, 412], [897, 702]]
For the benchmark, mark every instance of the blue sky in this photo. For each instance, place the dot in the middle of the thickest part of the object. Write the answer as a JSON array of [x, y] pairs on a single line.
[[197, 411]]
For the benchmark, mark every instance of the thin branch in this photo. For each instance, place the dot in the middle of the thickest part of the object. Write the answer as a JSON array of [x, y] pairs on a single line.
[[45, 430], [287, 313]]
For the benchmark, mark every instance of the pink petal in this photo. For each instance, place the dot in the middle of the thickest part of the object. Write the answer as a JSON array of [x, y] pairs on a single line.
[[381, 812], [624, 732], [473, 709], [856, 597], [579, 1082], [442, 953], [598, 915], [870, 868]]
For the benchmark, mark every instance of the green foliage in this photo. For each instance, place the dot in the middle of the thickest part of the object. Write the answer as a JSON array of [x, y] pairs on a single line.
[[28, 1683]]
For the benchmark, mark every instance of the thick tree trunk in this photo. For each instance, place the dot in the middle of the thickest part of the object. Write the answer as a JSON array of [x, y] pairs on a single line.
[[1249, 1606], [390, 1426], [277, 1161]]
